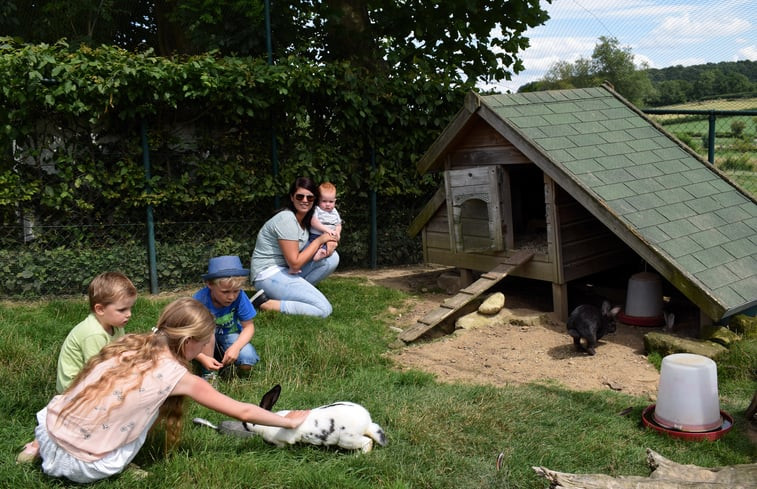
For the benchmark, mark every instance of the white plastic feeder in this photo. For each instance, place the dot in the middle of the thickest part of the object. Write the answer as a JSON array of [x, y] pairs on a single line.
[[643, 301], [687, 396]]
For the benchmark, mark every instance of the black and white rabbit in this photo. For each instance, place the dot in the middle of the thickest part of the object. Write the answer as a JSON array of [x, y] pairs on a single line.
[[344, 424], [590, 323]]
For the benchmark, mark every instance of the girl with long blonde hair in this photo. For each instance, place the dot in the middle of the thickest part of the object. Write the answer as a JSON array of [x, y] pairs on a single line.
[[96, 427]]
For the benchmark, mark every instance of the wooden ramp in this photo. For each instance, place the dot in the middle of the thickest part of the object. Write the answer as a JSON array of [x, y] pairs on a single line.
[[455, 306]]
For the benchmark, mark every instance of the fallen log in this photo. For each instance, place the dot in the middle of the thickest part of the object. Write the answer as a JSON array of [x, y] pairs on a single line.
[[666, 474]]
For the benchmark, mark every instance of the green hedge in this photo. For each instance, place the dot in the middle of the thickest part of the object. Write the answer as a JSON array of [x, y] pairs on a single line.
[[72, 122], [38, 269], [72, 119]]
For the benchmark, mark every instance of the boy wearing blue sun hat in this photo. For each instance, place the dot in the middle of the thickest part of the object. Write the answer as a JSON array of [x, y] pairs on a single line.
[[233, 311]]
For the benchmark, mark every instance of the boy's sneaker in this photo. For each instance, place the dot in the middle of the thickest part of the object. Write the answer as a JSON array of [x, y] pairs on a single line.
[[211, 377], [259, 298]]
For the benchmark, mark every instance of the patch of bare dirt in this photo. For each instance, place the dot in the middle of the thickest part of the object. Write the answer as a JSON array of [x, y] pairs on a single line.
[[514, 351]]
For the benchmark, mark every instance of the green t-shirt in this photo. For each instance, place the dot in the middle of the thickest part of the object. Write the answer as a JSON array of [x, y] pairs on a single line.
[[85, 340]]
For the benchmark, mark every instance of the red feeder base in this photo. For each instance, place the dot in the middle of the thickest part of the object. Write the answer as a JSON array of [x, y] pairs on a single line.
[[647, 416], [641, 321]]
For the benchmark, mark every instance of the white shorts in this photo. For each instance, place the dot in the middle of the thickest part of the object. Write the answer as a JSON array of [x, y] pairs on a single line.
[[56, 462]]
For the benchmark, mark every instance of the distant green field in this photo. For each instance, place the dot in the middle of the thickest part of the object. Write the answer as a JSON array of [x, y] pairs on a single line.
[[746, 180], [735, 142], [700, 126], [719, 104]]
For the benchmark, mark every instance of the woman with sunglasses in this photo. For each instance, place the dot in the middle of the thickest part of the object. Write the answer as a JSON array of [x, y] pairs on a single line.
[[283, 270]]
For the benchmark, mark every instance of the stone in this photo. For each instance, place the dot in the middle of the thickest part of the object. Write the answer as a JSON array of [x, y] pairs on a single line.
[[666, 344], [493, 304], [505, 317], [720, 334], [476, 320]]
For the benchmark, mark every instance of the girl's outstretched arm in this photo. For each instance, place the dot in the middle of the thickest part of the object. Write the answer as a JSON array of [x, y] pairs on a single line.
[[201, 391]]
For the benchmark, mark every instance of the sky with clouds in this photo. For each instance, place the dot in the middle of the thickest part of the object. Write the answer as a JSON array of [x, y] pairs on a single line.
[[661, 33]]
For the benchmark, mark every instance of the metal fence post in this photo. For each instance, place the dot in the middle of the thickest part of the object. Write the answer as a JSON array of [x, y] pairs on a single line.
[[374, 228], [151, 258], [274, 144], [711, 139]]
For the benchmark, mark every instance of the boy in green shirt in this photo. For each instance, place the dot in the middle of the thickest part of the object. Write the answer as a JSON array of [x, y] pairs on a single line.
[[111, 297]]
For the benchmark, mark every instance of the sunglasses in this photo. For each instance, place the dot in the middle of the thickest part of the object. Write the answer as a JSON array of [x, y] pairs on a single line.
[[306, 197]]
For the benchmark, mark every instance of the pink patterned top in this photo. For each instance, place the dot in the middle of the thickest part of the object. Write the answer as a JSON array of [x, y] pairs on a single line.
[[93, 431]]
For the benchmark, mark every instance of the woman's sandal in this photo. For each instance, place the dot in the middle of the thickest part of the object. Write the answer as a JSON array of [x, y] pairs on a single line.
[[29, 454]]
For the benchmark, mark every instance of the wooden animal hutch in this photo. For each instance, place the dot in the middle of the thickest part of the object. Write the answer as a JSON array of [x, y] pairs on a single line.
[[585, 182]]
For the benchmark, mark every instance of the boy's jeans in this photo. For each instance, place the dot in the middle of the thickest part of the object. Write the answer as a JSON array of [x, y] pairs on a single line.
[[247, 355]]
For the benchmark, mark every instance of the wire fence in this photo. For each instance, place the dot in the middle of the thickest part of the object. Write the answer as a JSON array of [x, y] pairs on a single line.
[[727, 139], [60, 260], [57, 256], [43, 261]]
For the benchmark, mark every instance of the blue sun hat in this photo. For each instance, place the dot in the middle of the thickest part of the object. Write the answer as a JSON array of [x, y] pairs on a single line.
[[225, 266]]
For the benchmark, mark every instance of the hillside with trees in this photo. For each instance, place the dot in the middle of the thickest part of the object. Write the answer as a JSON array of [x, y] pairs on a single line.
[[650, 87], [680, 84], [609, 62]]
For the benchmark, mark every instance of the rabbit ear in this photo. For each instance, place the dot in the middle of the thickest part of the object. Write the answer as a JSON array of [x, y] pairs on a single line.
[[270, 397]]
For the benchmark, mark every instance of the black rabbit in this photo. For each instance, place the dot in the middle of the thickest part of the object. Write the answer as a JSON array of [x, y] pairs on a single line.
[[588, 322]]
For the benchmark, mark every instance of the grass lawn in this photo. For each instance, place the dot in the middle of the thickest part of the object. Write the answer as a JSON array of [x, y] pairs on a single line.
[[717, 104], [737, 156], [440, 436]]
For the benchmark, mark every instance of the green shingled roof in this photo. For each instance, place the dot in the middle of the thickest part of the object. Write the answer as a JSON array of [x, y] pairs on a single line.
[[653, 192], [675, 202]]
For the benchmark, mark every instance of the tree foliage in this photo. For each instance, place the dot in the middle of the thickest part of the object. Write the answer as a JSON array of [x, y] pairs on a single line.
[[609, 63], [71, 121], [356, 92], [119, 22], [456, 40], [678, 84], [646, 86], [70, 139]]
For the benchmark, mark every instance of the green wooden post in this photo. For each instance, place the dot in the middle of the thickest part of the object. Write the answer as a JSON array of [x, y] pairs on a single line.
[[711, 139], [374, 228], [274, 144], [152, 261]]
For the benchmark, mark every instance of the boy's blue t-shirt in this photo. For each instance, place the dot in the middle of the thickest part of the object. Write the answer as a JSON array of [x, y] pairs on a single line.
[[228, 319]]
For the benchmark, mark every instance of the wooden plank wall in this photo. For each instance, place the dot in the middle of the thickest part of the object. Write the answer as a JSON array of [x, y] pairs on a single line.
[[436, 250], [483, 146], [588, 246]]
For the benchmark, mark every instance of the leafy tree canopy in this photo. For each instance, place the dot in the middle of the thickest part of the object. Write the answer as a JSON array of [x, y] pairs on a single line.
[[458, 40], [678, 84], [609, 62], [647, 86]]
